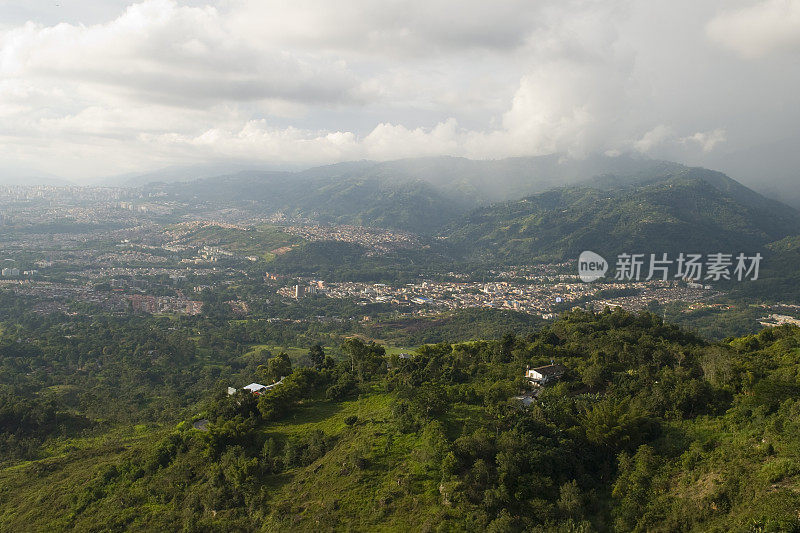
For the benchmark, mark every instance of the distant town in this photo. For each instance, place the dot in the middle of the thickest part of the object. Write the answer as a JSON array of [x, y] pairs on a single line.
[[541, 297], [121, 250]]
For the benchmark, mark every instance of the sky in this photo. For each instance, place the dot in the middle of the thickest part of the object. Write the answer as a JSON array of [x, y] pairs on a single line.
[[94, 88]]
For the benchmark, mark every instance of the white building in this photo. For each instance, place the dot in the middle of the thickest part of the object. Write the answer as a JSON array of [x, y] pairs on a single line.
[[544, 374], [255, 388]]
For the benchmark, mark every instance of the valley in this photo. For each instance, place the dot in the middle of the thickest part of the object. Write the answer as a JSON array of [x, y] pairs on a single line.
[[386, 343]]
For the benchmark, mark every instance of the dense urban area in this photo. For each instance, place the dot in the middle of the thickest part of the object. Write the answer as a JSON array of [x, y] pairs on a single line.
[[122, 250]]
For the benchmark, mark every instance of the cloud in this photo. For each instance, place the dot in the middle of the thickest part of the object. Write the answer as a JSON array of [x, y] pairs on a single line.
[[167, 82], [389, 27], [163, 52], [758, 29], [663, 141], [385, 141], [707, 140], [654, 138]]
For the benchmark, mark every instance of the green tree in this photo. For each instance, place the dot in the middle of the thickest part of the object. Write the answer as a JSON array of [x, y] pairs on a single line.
[[365, 359], [278, 367], [317, 356]]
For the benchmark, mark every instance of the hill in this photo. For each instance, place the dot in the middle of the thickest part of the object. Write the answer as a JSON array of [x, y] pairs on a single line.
[[567, 203], [368, 201], [28, 180], [468, 181], [478, 182], [692, 210], [649, 429], [420, 195]]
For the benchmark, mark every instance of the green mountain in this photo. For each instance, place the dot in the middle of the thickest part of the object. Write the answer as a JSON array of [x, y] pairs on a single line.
[[607, 204], [473, 182], [411, 205], [420, 195], [648, 429], [479, 182], [692, 210]]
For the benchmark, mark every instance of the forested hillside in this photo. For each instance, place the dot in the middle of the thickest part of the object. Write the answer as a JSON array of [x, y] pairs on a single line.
[[549, 210], [650, 429], [698, 211], [411, 205]]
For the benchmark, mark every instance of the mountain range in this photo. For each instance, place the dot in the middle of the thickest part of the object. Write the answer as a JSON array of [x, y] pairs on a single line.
[[692, 210], [464, 181], [518, 210]]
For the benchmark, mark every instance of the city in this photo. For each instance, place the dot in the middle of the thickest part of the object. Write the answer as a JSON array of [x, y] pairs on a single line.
[[157, 252]]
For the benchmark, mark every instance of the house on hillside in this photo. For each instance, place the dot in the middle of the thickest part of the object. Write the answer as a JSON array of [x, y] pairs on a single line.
[[256, 388], [543, 375]]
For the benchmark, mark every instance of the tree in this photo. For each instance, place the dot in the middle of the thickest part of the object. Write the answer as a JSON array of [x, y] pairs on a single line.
[[278, 367], [632, 487], [365, 359], [317, 356], [570, 501], [505, 346], [616, 425]]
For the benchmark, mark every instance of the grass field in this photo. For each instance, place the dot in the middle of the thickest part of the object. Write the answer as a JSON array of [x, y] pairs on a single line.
[[47, 488], [398, 475], [259, 241]]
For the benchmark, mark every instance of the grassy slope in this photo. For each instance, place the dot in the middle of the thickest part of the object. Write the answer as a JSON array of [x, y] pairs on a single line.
[[397, 481], [47, 491], [259, 241], [56, 492]]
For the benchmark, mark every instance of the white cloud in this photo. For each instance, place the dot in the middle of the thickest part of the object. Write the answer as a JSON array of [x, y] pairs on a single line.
[[312, 81], [385, 141], [662, 140], [758, 29], [389, 27], [654, 138], [160, 51], [707, 140]]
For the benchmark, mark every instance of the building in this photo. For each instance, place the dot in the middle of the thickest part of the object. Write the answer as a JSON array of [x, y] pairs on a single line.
[[258, 388], [779, 320], [10, 272], [544, 374], [255, 388]]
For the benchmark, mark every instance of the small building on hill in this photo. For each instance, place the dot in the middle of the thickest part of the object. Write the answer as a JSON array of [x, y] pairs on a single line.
[[543, 375], [255, 388]]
